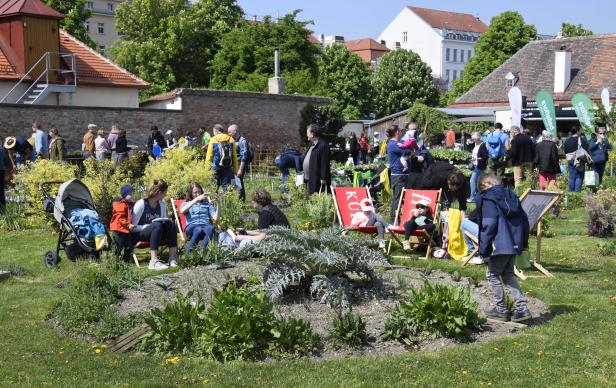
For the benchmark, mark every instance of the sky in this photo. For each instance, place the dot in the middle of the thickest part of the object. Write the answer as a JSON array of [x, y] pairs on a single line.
[[366, 18]]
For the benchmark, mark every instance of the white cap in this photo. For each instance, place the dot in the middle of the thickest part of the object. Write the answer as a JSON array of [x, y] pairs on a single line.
[[92, 126], [169, 132]]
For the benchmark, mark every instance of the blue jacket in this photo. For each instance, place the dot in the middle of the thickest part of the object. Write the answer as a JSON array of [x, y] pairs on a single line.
[[503, 224], [289, 158], [394, 153]]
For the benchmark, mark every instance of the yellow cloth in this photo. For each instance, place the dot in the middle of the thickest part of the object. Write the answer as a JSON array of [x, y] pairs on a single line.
[[456, 247], [384, 179], [383, 148]]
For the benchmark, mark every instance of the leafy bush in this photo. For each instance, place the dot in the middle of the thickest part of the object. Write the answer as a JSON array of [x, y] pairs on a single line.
[[316, 212], [134, 166], [433, 311], [456, 156], [315, 261], [607, 248], [293, 337], [349, 329], [179, 168], [175, 328], [573, 200], [601, 215], [30, 175], [104, 182], [13, 218], [234, 213], [213, 254]]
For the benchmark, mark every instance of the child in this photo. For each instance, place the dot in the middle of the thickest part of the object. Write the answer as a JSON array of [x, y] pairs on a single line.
[[407, 142], [120, 224], [420, 220], [503, 234], [368, 217]]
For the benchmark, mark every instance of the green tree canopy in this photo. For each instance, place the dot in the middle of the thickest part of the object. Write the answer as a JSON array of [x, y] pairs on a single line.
[[75, 16], [569, 30], [345, 77], [246, 57], [328, 117], [170, 43], [506, 34], [429, 120], [401, 79]]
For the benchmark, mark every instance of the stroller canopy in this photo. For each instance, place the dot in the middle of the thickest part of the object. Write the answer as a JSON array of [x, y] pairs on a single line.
[[72, 194]]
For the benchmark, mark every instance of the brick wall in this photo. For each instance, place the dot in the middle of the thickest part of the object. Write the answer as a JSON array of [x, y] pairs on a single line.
[[266, 120]]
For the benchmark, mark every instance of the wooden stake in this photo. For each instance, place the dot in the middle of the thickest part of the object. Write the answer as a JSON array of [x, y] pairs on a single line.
[[519, 273], [542, 270]]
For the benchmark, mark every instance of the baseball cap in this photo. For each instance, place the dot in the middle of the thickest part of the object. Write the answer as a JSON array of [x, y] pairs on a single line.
[[169, 132], [366, 205], [423, 203]]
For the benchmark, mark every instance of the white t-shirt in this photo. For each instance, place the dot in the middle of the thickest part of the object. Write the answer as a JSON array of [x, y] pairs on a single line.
[[476, 152], [361, 219]]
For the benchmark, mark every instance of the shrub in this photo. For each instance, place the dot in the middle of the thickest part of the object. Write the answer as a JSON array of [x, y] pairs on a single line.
[[348, 328], [134, 166], [178, 168], [316, 212], [433, 311], [601, 215], [104, 182], [13, 218], [456, 156], [607, 248], [175, 328], [234, 213], [31, 175], [213, 254], [293, 337]]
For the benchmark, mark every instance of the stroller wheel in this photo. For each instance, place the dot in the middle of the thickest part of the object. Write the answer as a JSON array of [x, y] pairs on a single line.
[[51, 259]]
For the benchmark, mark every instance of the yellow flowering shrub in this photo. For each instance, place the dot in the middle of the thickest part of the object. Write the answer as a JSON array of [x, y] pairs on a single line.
[[30, 175]]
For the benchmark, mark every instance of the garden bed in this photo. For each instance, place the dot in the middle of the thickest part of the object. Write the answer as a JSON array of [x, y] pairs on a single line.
[[373, 308]]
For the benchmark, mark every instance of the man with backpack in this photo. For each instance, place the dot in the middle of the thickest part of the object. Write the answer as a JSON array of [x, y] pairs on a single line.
[[222, 157], [245, 155], [496, 144]]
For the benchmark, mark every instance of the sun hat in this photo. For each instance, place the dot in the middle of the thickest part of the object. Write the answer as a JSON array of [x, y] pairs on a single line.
[[366, 205], [92, 126], [126, 190], [423, 202], [10, 142]]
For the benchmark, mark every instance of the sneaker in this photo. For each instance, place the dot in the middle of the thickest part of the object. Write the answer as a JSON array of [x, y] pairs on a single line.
[[520, 316], [406, 245], [157, 266], [497, 315], [381, 244], [173, 263], [476, 260]]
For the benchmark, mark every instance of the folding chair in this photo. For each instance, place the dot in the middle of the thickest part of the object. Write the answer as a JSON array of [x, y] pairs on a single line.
[[408, 200], [180, 219], [346, 202], [474, 251]]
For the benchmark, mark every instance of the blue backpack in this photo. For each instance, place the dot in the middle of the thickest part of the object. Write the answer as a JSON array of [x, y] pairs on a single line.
[[496, 148]]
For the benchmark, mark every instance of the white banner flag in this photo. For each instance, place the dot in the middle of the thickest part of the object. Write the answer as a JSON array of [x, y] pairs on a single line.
[[605, 99], [515, 101]]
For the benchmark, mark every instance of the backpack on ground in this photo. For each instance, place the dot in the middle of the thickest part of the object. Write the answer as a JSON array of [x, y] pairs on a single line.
[[495, 146], [225, 151]]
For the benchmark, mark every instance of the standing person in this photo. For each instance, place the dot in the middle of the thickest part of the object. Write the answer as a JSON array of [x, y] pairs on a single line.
[[57, 149], [577, 165], [317, 162], [101, 146], [598, 147], [353, 148], [447, 177], [205, 138], [497, 144], [450, 138], [288, 158], [4, 168], [155, 139], [149, 216], [222, 157], [546, 160], [479, 163], [88, 146], [121, 148], [41, 141], [19, 150], [200, 214], [503, 235], [170, 140], [399, 179], [241, 150], [112, 139], [364, 147], [521, 153]]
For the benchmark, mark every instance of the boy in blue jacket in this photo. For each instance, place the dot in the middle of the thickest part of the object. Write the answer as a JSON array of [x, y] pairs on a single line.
[[503, 234]]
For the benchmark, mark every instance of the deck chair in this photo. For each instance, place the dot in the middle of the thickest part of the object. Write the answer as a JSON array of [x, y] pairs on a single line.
[[180, 219], [144, 245], [346, 202], [408, 200], [472, 253]]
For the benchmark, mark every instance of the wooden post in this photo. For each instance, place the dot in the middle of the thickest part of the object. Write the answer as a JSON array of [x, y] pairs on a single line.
[[537, 262]]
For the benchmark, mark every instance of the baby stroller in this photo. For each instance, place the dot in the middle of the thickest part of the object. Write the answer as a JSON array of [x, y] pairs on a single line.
[[72, 197]]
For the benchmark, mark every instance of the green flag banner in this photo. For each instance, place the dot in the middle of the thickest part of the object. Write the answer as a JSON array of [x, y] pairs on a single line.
[[583, 110], [545, 103]]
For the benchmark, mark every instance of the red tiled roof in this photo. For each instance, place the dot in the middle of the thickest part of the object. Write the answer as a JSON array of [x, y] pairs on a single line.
[[364, 44], [313, 39], [28, 7], [95, 69], [450, 20]]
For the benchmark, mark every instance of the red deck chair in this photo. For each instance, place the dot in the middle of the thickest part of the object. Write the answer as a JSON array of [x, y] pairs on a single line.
[[180, 219], [346, 202], [408, 200]]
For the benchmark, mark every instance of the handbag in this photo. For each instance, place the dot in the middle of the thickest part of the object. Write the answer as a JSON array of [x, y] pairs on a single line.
[[581, 156], [591, 178]]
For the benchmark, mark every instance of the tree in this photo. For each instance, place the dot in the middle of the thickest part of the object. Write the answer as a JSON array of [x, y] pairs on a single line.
[[506, 34], [246, 57], [568, 30], [328, 117], [170, 43], [345, 77], [429, 120], [75, 16], [401, 79]]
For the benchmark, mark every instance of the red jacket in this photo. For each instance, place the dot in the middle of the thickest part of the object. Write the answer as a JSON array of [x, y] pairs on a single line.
[[120, 217]]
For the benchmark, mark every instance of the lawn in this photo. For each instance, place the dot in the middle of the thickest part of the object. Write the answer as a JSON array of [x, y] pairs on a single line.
[[576, 348]]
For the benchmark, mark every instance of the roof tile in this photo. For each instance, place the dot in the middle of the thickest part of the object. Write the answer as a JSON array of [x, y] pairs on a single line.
[[450, 20], [28, 7]]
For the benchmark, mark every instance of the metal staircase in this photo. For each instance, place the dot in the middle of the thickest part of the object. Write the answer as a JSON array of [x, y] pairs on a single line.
[[34, 86]]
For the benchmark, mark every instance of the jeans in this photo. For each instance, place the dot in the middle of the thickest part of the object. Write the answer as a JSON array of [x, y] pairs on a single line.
[[474, 176], [599, 169], [198, 233], [123, 245], [223, 177], [501, 267], [575, 178], [242, 189], [157, 232], [398, 182], [285, 178], [379, 222], [466, 226], [118, 157], [410, 226]]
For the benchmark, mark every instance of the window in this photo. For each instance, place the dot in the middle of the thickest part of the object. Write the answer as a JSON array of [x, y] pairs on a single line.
[[447, 55], [461, 73], [90, 5], [469, 55], [447, 75], [102, 50], [462, 56], [405, 36], [110, 7], [101, 28], [87, 26], [455, 55], [455, 74]]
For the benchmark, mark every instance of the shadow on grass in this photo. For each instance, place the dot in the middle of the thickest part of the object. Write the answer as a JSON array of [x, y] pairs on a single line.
[[558, 309], [568, 269]]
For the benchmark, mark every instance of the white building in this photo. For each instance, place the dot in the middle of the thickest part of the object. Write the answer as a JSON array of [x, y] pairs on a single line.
[[444, 40], [101, 25]]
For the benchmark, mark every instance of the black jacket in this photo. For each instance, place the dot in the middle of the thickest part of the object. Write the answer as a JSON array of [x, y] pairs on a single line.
[[546, 157], [319, 167], [435, 177], [482, 156], [522, 150], [157, 137], [571, 144]]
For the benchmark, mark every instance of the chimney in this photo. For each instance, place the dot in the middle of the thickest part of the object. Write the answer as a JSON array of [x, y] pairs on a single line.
[[276, 83], [254, 18], [322, 39], [562, 69]]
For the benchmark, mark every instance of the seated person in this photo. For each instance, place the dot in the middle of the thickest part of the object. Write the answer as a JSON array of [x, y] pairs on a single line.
[[368, 217], [152, 225], [120, 224], [420, 220], [469, 224], [200, 213]]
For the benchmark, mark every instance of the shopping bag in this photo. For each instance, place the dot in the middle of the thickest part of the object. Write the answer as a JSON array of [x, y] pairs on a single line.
[[299, 179], [591, 178]]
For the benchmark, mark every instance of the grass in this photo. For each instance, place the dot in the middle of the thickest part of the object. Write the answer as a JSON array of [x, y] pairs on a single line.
[[576, 348]]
